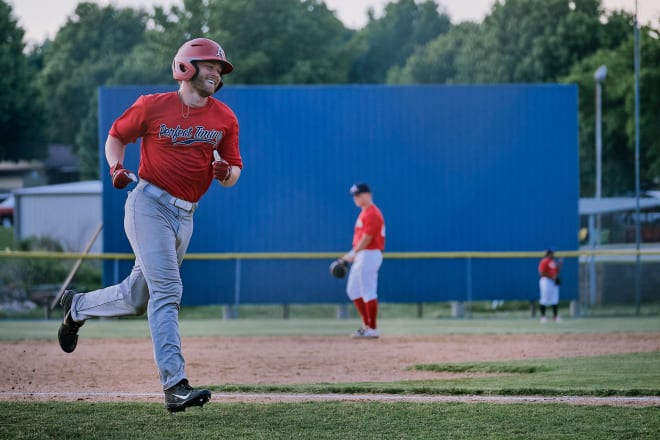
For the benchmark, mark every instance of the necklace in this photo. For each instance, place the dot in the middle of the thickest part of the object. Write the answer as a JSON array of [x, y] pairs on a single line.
[[187, 113]]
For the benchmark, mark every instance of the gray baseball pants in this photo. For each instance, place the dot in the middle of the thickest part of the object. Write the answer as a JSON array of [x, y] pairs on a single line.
[[159, 234]]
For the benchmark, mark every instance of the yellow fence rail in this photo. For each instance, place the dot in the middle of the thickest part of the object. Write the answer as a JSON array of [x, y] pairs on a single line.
[[7, 254]]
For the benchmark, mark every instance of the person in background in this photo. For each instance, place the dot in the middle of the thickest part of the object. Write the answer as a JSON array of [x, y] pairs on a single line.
[[367, 257], [549, 269]]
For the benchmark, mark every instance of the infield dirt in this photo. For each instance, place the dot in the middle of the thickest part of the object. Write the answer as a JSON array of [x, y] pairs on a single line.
[[102, 368]]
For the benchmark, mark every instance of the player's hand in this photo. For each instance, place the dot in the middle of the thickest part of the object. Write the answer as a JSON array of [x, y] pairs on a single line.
[[121, 176], [221, 169]]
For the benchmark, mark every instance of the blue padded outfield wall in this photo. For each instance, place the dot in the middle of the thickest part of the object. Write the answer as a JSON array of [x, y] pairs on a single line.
[[453, 168]]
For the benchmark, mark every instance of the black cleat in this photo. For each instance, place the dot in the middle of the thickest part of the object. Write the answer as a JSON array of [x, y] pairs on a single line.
[[182, 395], [68, 332]]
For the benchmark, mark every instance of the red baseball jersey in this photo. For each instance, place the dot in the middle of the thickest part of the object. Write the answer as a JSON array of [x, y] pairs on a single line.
[[370, 222], [177, 142], [548, 266]]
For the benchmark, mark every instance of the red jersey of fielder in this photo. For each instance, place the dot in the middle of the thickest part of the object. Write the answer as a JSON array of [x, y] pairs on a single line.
[[370, 222], [549, 268], [177, 146]]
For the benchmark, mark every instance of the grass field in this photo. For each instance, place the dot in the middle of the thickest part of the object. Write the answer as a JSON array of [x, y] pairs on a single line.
[[429, 311], [333, 420], [137, 328], [634, 374]]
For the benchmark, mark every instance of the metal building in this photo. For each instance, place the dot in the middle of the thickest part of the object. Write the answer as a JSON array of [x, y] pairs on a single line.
[[69, 213]]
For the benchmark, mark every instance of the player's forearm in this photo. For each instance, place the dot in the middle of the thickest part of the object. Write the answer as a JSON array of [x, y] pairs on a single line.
[[362, 244], [114, 150]]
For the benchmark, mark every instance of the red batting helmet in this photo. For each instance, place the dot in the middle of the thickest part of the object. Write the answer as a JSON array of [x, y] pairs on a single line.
[[199, 49]]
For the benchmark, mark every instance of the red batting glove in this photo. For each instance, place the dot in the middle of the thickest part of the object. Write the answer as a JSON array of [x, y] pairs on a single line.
[[121, 176], [221, 170]]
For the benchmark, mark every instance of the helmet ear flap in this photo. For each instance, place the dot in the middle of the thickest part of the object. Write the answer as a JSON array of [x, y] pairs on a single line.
[[183, 70]]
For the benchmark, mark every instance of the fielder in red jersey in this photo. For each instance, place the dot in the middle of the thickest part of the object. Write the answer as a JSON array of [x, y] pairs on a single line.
[[367, 257], [549, 269], [189, 138]]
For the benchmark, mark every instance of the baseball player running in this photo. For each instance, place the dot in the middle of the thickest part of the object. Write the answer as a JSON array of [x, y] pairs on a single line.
[[188, 139], [367, 257]]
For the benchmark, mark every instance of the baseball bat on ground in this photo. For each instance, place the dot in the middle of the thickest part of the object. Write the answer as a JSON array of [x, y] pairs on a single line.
[[75, 268]]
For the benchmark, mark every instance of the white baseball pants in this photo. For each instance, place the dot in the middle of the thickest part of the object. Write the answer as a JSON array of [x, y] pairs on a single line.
[[363, 276], [549, 292]]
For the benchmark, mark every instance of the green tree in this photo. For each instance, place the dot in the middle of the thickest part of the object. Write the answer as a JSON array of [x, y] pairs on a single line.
[[649, 106], [519, 41], [282, 42], [536, 41], [20, 110], [441, 60], [150, 60], [84, 55], [618, 106], [87, 142], [387, 42]]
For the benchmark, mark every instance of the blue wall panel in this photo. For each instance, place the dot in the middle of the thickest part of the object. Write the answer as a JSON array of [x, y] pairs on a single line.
[[453, 168]]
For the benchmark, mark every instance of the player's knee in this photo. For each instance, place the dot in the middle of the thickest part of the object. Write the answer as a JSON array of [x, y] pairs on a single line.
[[138, 300], [168, 292], [140, 309], [352, 295]]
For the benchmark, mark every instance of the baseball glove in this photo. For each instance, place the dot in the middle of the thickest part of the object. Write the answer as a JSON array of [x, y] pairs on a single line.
[[338, 268], [557, 281]]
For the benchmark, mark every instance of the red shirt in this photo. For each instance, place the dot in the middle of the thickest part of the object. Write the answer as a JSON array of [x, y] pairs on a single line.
[[548, 267], [177, 143], [370, 222]]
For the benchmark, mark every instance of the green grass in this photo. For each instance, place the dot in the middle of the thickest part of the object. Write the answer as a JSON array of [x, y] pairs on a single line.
[[429, 311], [634, 374], [328, 420], [138, 328]]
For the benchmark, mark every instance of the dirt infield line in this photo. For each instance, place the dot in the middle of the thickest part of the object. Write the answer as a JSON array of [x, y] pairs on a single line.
[[303, 397]]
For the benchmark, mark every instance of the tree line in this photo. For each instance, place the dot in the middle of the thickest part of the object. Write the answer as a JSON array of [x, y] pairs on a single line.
[[49, 91]]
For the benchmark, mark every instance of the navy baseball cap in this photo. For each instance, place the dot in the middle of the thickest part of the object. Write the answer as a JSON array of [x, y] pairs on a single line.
[[360, 188]]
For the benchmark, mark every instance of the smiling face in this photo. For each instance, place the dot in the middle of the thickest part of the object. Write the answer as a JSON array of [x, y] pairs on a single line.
[[208, 79]]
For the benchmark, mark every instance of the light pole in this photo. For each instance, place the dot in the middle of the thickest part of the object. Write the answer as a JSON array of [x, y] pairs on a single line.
[[599, 77], [638, 230], [594, 232]]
